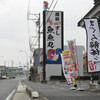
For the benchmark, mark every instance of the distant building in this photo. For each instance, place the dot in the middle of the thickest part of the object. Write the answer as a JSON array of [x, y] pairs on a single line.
[[2, 71], [12, 71], [2, 68], [37, 57], [94, 12]]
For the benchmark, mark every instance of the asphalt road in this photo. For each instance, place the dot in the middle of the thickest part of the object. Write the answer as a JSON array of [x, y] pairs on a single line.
[[7, 86], [53, 92]]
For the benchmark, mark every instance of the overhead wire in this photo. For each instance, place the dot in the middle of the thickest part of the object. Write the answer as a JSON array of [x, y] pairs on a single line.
[[30, 44], [28, 12], [28, 5], [47, 12], [28, 23], [42, 22], [51, 4], [50, 13]]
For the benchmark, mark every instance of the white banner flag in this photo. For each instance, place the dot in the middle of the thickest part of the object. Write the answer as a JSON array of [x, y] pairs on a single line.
[[93, 44], [71, 46]]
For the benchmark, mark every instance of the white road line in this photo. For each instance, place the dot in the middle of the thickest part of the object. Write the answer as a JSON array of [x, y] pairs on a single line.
[[10, 95]]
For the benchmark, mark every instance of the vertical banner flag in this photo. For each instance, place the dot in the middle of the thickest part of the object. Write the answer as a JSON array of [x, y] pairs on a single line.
[[53, 32], [93, 44], [71, 46], [66, 64]]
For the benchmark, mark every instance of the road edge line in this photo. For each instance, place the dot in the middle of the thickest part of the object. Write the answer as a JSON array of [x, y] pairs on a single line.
[[10, 95]]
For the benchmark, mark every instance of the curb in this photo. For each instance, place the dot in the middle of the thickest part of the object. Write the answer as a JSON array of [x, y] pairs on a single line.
[[27, 93], [32, 93]]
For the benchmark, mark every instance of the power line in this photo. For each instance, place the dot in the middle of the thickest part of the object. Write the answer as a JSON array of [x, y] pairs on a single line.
[[28, 5], [50, 13], [36, 43], [28, 24], [47, 13], [28, 13], [30, 44], [55, 5], [51, 4]]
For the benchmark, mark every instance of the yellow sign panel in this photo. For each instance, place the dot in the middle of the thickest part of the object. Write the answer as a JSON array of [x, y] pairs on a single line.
[[66, 55]]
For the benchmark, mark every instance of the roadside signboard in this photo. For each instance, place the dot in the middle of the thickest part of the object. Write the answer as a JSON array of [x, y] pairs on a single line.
[[53, 36], [93, 44], [66, 65], [71, 46]]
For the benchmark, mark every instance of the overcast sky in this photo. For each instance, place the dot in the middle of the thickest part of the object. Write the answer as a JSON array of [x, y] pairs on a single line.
[[14, 29]]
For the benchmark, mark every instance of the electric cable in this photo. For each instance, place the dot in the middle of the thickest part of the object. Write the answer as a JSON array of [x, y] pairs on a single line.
[[42, 22], [28, 5], [28, 23], [36, 42], [50, 13], [51, 4], [30, 44], [47, 12]]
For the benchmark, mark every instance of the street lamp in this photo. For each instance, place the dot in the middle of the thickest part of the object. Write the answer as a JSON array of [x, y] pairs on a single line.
[[26, 58]]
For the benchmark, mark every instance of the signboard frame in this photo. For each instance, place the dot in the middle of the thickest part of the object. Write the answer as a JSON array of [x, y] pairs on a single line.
[[49, 15]]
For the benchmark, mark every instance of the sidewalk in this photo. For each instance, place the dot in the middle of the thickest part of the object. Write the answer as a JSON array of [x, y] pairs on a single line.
[[22, 94], [85, 84], [60, 90], [53, 89]]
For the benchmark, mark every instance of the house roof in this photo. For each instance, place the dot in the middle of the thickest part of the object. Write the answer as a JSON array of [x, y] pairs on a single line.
[[96, 1], [94, 12], [2, 66]]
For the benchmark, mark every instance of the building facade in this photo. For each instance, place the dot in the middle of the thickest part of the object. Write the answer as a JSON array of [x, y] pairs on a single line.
[[94, 12]]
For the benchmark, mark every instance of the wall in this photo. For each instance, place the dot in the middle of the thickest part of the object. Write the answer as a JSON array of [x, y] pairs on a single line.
[[55, 69]]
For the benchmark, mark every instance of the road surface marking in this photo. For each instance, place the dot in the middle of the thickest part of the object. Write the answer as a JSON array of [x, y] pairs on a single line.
[[10, 95]]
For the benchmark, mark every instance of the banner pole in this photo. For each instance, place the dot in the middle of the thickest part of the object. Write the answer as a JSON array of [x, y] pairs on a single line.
[[77, 63]]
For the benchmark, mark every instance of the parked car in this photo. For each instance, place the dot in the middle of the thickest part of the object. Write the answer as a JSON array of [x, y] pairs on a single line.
[[4, 77]]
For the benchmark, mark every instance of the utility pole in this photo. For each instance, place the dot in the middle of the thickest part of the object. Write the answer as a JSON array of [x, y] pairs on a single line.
[[44, 56], [12, 63], [39, 38], [4, 63], [37, 22]]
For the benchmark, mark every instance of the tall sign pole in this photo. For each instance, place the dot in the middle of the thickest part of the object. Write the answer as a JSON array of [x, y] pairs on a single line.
[[62, 40], [44, 72]]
